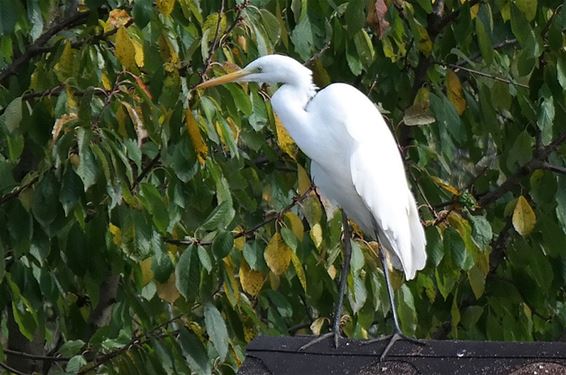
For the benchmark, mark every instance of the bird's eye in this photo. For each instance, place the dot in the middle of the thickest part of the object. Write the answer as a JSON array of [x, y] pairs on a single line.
[[259, 69]]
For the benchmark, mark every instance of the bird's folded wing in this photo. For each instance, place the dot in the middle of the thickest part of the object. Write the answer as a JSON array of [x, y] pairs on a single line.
[[379, 178]]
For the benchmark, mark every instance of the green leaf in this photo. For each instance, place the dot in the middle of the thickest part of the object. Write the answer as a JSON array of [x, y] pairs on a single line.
[[546, 119], [162, 266], [357, 292], [187, 273], [357, 260], [153, 202], [216, 329], [289, 238], [2, 262], [87, 169], [71, 347], [353, 60], [303, 37], [143, 9], [407, 311], [45, 203], [75, 364], [355, 16], [204, 258], [528, 7], [71, 190], [484, 41], [521, 151], [561, 200], [460, 253], [447, 274], [194, 352], [561, 71], [12, 115], [481, 231], [222, 244], [271, 25], [364, 47], [219, 217], [476, 279]]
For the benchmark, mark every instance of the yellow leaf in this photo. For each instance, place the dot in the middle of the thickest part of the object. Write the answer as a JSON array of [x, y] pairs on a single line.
[[66, 64], [60, 124], [524, 218], [316, 235], [274, 281], [146, 271], [168, 291], [196, 138], [72, 105], [424, 43], [239, 242], [474, 9], [169, 53], [235, 128], [454, 91], [304, 182], [277, 255], [252, 281], [106, 81], [299, 270], [296, 224], [125, 51], [137, 121], [116, 233], [445, 185], [165, 6], [231, 286], [419, 113], [331, 270], [138, 52], [317, 325], [116, 18], [284, 140]]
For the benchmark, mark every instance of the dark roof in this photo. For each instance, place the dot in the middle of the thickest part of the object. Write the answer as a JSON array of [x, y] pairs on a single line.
[[280, 355]]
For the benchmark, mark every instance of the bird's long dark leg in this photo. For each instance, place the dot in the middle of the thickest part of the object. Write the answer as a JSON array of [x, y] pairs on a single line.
[[397, 333], [341, 287], [343, 277]]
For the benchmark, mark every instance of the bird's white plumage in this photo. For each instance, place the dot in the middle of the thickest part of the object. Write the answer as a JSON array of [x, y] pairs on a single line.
[[355, 161]]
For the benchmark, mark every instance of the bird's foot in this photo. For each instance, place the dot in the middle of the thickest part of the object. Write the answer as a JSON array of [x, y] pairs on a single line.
[[322, 337], [392, 339]]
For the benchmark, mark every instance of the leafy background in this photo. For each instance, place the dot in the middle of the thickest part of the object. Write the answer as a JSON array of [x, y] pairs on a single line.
[[150, 227]]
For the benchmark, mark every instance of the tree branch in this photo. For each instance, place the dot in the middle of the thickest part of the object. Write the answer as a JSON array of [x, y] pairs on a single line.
[[246, 233], [537, 162], [483, 74], [16, 191], [40, 43], [36, 356], [11, 369]]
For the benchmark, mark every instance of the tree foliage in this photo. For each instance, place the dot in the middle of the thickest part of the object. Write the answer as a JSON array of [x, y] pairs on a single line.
[[150, 226]]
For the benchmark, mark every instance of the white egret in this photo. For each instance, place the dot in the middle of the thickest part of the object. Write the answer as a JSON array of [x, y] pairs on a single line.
[[355, 163]]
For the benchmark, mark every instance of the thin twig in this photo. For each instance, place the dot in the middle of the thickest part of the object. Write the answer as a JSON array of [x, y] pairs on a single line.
[[11, 369], [215, 40], [36, 356], [526, 170], [16, 191], [486, 75], [246, 233], [38, 46], [553, 168]]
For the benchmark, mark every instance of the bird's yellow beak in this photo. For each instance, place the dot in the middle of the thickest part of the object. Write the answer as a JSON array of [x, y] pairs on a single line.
[[230, 77]]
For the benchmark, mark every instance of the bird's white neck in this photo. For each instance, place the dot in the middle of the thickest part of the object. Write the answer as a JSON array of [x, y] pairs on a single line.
[[290, 103]]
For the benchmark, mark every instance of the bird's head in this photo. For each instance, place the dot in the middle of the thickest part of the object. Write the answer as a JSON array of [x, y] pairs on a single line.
[[267, 69]]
